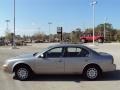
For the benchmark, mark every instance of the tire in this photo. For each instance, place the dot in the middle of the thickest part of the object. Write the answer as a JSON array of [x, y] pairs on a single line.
[[22, 73], [100, 40], [83, 40], [92, 72]]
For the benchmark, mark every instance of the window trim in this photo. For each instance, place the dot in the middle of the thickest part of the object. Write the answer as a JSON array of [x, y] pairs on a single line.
[[54, 48], [65, 51]]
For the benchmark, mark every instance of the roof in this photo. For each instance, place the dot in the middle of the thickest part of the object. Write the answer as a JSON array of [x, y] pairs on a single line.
[[73, 45], [66, 45]]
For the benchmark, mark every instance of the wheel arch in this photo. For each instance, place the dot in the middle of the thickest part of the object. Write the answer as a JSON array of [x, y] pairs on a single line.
[[102, 39], [92, 64], [19, 65], [84, 39]]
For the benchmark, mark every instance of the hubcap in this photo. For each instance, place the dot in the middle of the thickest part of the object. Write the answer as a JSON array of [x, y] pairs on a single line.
[[83, 40], [99, 40], [22, 73], [92, 73]]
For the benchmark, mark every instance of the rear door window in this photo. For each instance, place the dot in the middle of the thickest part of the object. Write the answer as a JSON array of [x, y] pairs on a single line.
[[76, 52]]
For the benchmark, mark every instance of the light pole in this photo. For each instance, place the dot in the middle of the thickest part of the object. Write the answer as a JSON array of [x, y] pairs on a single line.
[[105, 28], [14, 45], [7, 22], [49, 23], [93, 5]]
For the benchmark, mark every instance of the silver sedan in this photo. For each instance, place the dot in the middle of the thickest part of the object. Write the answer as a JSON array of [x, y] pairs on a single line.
[[61, 59]]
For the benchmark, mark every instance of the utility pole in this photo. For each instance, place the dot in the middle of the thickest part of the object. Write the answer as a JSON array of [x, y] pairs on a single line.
[[7, 24], [49, 23], [105, 29], [14, 45], [93, 5]]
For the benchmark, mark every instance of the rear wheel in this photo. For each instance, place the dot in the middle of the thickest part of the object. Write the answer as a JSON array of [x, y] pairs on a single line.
[[92, 73], [83, 40], [100, 40], [22, 73]]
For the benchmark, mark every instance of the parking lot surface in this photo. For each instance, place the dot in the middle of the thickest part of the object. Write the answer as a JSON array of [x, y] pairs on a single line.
[[110, 81]]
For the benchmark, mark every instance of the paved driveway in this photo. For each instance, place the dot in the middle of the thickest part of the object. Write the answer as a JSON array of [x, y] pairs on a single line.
[[110, 81]]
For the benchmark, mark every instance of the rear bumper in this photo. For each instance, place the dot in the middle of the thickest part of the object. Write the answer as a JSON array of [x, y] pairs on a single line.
[[111, 67]]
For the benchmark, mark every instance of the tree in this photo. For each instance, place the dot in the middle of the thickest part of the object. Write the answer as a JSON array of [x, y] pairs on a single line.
[[117, 36], [89, 30], [75, 35], [8, 35], [110, 31], [66, 37], [38, 36]]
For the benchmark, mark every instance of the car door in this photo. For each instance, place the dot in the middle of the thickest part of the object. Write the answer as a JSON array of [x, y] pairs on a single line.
[[52, 62], [75, 59]]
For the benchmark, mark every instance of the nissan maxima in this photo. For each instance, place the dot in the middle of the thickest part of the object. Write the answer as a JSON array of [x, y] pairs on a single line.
[[61, 59]]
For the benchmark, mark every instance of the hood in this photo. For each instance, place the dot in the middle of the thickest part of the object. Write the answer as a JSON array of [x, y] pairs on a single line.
[[24, 56]]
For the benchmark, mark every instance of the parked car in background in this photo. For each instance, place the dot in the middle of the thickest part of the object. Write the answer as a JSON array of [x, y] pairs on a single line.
[[2, 42], [61, 59], [89, 38], [38, 41], [20, 43]]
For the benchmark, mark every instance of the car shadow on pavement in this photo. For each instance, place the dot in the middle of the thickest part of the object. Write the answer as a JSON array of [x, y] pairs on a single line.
[[75, 78], [110, 76]]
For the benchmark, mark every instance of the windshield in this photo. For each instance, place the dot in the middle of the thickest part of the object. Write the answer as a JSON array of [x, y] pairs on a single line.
[[41, 51]]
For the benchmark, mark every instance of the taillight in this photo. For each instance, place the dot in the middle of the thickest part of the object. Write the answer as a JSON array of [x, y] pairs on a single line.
[[112, 60]]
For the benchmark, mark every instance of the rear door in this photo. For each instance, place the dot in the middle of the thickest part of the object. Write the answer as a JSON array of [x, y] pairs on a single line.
[[75, 58]]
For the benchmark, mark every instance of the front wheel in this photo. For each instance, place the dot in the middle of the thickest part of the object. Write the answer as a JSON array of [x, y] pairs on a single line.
[[100, 41], [92, 73], [22, 73]]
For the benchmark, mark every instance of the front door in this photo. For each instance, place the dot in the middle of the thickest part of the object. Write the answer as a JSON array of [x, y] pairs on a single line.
[[52, 63]]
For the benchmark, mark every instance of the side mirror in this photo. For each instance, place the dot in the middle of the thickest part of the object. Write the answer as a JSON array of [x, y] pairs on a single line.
[[42, 56]]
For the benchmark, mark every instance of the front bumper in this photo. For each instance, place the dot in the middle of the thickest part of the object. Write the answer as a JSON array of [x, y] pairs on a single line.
[[6, 69]]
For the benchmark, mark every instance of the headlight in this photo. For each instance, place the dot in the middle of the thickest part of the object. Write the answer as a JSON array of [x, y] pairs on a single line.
[[7, 66]]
